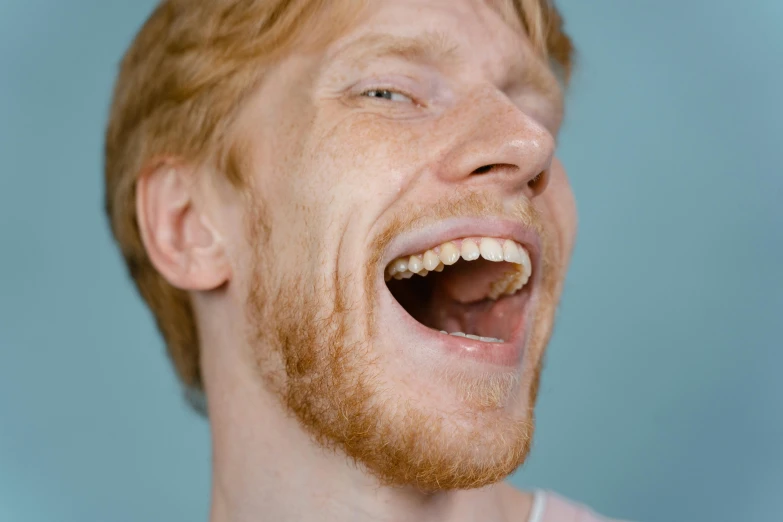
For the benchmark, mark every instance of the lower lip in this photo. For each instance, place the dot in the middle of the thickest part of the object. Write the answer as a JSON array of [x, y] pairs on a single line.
[[506, 354]]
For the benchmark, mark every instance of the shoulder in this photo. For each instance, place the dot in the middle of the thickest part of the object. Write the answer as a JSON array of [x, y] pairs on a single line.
[[545, 506], [551, 507]]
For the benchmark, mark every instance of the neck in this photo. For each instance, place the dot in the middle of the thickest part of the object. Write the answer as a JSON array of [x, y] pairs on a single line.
[[267, 467]]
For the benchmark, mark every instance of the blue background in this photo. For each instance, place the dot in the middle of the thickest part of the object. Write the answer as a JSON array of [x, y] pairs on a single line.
[[662, 398]]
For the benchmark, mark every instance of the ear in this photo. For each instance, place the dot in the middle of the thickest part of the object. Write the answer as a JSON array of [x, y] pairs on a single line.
[[177, 234]]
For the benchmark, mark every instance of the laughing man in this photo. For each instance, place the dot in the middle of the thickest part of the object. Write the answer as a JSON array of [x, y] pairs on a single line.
[[350, 224]]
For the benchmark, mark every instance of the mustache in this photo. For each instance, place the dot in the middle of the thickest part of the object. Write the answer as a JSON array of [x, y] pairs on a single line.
[[471, 205]]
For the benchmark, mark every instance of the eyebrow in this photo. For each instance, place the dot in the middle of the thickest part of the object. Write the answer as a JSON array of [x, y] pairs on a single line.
[[431, 47], [439, 50]]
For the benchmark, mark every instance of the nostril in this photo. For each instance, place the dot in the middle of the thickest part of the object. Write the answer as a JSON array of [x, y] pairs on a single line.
[[538, 184], [483, 170]]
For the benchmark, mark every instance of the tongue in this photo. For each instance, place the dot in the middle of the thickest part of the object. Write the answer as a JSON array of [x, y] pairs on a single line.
[[459, 300], [471, 282], [484, 318]]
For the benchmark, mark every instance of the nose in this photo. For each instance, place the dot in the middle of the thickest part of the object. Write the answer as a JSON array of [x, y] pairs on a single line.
[[501, 145]]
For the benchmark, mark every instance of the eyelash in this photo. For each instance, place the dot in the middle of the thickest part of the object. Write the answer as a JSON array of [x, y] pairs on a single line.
[[365, 93]]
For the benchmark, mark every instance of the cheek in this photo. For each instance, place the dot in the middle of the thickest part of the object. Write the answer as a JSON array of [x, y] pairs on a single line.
[[371, 153], [560, 207]]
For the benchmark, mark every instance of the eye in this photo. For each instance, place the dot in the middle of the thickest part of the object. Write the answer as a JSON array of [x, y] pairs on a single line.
[[387, 94]]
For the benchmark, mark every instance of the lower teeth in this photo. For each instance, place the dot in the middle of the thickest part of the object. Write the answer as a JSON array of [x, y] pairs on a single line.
[[474, 337]]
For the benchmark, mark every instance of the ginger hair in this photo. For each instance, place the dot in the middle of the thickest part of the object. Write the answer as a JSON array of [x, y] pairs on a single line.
[[180, 86]]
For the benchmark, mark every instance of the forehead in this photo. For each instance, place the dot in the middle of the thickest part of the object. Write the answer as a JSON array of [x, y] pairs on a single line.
[[467, 23], [377, 12], [483, 37]]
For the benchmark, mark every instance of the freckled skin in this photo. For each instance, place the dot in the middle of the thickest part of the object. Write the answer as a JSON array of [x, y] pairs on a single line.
[[299, 324]]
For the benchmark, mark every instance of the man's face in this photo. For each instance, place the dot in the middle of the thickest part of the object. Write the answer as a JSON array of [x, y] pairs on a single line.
[[421, 141]]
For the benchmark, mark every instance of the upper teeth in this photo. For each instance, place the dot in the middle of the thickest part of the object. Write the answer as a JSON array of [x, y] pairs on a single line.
[[469, 249]]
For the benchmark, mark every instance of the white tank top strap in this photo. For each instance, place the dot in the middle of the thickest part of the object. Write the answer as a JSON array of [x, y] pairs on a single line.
[[539, 506], [551, 507]]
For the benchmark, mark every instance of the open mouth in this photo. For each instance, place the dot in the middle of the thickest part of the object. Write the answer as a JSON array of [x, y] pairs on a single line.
[[473, 287]]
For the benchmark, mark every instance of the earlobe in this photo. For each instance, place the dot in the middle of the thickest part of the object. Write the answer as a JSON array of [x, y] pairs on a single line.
[[179, 238]]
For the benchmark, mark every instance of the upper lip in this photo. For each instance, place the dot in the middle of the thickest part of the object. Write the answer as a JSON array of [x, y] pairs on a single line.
[[441, 232]]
